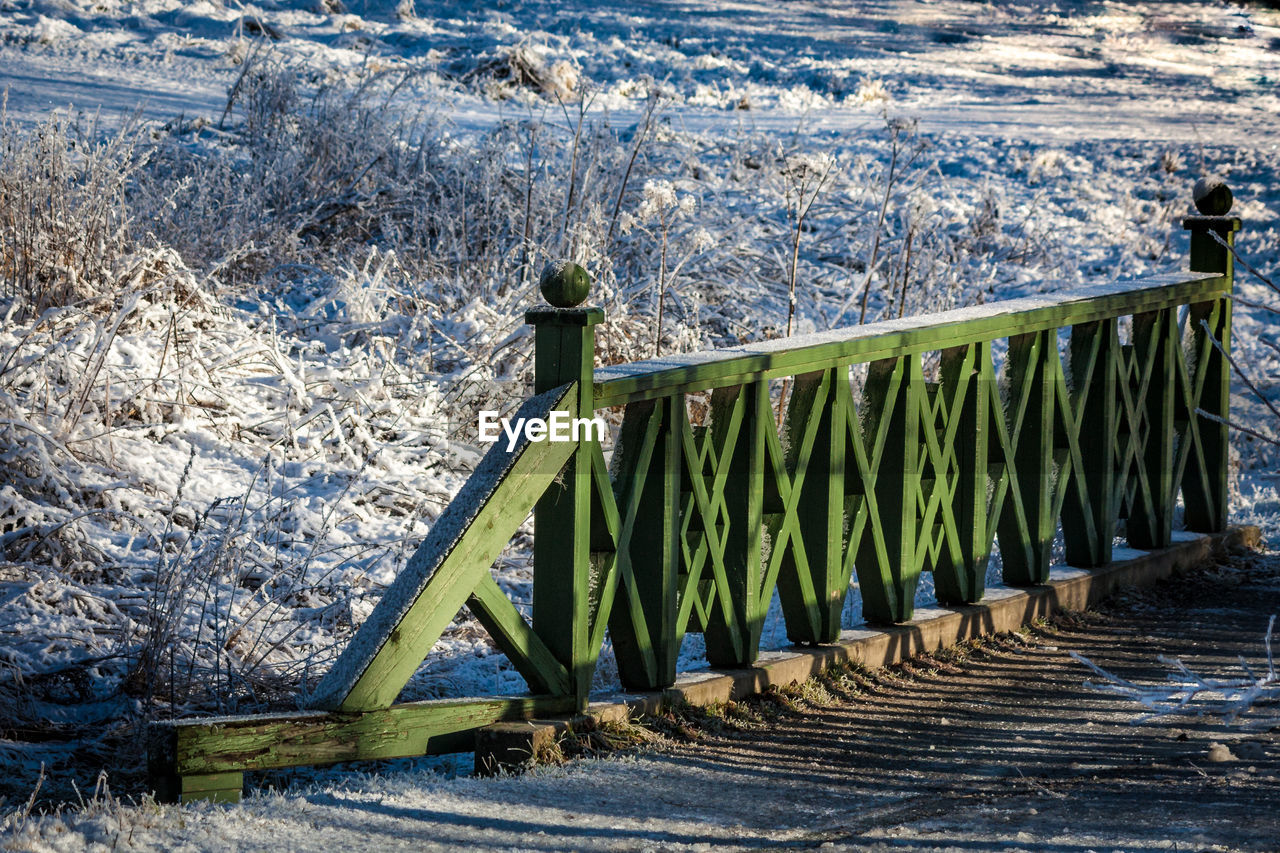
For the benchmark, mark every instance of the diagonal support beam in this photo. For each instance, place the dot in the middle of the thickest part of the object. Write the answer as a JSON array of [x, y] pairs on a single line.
[[447, 567]]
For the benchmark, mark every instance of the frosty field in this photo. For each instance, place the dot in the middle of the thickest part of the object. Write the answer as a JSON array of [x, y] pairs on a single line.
[[262, 265]]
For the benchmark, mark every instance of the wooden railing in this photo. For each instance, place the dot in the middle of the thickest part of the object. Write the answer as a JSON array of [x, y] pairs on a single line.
[[1112, 401]]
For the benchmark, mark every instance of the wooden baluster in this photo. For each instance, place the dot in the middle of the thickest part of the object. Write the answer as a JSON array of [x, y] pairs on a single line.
[[1027, 526], [963, 582], [1155, 340], [812, 610], [1089, 514], [643, 619], [738, 416], [887, 579]]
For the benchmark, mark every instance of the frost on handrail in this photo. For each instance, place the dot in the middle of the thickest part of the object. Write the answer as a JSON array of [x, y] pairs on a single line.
[[899, 336]]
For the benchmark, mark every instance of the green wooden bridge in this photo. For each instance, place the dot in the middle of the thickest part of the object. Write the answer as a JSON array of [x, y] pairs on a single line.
[[695, 525]]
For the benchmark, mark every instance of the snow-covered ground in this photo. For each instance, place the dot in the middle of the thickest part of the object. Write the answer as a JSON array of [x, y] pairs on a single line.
[[234, 431], [1066, 70]]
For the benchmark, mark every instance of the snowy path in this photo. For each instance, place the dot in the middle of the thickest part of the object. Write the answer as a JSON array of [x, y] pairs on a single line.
[[38, 85]]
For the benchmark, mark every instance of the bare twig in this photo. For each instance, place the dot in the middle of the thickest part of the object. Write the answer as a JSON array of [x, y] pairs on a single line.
[[1235, 254], [1236, 426], [1239, 371], [649, 112], [1189, 692]]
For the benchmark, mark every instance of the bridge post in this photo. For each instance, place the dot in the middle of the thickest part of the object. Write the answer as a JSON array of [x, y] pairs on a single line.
[[1205, 492], [564, 352]]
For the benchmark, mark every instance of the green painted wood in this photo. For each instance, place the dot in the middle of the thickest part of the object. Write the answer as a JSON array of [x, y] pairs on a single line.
[[213, 787], [1089, 516], [938, 537], [866, 547], [1068, 458], [220, 745], [447, 567], [169, 787], [606, 525], [1026, 536], [663, 567], [739, 416], [961, 578], [643, 621], [703, 543], [562, 576], [1207, 254], [1131, 477], [564, 351], [619, 384], [1150, 522], [786, 554], [693, 591], [1188, 449], [999, 457], [887, 579], [812, 596], [698, 525], [1206, 495], [517, 640]]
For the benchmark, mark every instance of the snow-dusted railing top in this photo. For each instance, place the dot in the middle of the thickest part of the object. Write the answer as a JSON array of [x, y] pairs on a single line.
[[700, 519], [701, 371]]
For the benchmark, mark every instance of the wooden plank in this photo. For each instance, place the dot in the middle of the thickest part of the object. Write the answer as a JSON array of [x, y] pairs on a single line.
[[939, 535], [233, 744], [1206, 499], [784, 476], [603, 563], [619, 384], [1129, 476], [643, 621], [1207, 254], [703, 512], [660, 573], [446, 568], [866, 547], [562, 570], [1186, 426], [213, 787]]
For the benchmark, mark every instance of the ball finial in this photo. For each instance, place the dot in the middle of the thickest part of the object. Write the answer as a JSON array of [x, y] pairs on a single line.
[[565, 284], [1212, 196]]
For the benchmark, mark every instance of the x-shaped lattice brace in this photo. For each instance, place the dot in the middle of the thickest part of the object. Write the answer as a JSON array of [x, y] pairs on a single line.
[[1205, 385], [1147, 418]]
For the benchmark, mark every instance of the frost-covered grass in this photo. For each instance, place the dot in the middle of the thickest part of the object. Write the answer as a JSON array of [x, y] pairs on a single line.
[[243, 350]]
